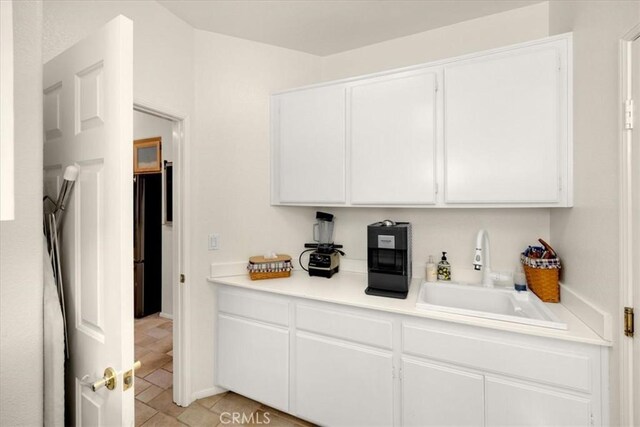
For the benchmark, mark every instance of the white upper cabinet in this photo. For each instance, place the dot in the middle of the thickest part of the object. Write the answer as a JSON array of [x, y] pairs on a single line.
[[490, 129], [309, 146], [393, 139], [506, 127]]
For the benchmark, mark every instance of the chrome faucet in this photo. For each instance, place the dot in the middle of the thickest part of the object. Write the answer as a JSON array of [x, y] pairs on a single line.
[[482, 258]]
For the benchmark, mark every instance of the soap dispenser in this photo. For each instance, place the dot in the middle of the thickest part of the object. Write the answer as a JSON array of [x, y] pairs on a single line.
[[444, 268]]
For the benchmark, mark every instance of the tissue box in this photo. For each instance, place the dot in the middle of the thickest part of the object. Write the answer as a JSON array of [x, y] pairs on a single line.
[[269, 268]]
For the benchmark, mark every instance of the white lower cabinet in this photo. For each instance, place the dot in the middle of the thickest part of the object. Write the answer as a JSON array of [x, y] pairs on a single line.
[[253, 360], [342, 366], [510, 403], [340, 384], [435, 395]]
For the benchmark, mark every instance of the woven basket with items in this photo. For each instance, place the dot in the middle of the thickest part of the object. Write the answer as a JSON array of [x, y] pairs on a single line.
[[271, 267], [542, 267]]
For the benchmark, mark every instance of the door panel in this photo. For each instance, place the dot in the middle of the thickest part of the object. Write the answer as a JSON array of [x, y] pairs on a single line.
[[393, 139], [88, 123], [253, 360], [506, 113], [311, 145], [518, 404], [433, 395], [340, 384]]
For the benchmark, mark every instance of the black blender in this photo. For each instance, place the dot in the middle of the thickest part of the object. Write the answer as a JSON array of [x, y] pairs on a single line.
[[324, 260]]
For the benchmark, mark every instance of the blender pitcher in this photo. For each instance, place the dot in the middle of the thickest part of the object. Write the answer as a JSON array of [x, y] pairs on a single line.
[[323, 229]]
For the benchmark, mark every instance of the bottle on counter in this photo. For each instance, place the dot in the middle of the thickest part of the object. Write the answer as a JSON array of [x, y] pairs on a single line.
[[519, 279], [444, 268], [431, 271]]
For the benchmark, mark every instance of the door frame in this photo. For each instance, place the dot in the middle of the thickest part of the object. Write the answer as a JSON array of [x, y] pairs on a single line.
[[627, 255], [181, 247]]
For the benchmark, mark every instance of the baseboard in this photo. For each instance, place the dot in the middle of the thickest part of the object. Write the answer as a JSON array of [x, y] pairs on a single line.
[[166, 316], [207, 392], [594, 317]]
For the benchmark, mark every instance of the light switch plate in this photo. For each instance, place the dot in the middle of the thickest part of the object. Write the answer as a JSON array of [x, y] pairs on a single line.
[[214, 241]]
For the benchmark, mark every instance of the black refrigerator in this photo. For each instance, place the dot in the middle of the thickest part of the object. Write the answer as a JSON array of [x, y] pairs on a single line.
[[147, 243]]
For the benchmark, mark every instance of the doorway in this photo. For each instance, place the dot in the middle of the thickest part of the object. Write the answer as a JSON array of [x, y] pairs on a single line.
[[153, 215], [155, 121]]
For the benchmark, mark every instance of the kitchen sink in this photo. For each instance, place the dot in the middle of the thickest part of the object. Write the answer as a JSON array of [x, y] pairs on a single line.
[[491, 303]]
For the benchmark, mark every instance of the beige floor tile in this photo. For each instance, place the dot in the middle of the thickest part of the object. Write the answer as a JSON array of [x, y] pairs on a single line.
[[149, 394], [140, 385], [157, 333], [140, 351], [280, 414], [141, 339], [170, 353], [162, 345], [152, 361], [143, 413], [208, 402], [198, 416], [162, 420], [164, 403], [235, 403], [261, 418], [161, 378], [168, 326], [168, 367]]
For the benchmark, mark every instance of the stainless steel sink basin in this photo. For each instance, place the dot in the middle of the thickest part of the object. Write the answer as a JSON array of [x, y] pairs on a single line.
[[491, 303]]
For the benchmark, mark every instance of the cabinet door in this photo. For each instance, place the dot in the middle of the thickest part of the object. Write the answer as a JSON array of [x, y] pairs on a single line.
[[519, 404], [393, 135], [434, 395], [310, 146], [340, 384], [253, 360], [506, 127]]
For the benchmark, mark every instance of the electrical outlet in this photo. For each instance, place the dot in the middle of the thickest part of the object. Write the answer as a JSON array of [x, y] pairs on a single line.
[[214, 241]]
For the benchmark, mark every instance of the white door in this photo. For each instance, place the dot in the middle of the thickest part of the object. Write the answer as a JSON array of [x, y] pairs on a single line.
[[505, 126], [253, 360], [436, 395], [342, 384], [511, 403], [393, 140], [310, 146], [635, 161], [88, 123]]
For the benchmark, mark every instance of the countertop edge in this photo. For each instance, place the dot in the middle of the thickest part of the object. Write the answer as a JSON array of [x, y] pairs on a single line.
[[242, 281]]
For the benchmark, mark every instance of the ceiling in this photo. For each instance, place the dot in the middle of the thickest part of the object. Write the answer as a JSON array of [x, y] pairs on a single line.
[[325, 27]]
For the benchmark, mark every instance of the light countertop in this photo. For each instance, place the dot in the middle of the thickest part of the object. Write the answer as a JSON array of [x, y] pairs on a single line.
[[347, 288]]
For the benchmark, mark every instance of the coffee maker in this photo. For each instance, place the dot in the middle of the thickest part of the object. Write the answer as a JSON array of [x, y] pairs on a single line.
[[324, 261], [389, 259]]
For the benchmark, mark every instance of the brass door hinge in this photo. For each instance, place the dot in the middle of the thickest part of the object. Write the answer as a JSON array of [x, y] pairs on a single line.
[[628, 321]]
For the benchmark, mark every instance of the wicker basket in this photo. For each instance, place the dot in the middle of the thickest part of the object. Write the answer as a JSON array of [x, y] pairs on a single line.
[[543, 282], [269, 268]]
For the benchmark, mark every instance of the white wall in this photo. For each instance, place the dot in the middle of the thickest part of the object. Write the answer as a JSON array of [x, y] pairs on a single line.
[[148, 126], [501, 29], [230, 168], [587, 235], [21, 283]]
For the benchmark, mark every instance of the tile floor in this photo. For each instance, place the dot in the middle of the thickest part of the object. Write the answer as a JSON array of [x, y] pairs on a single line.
[[154, 389]]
